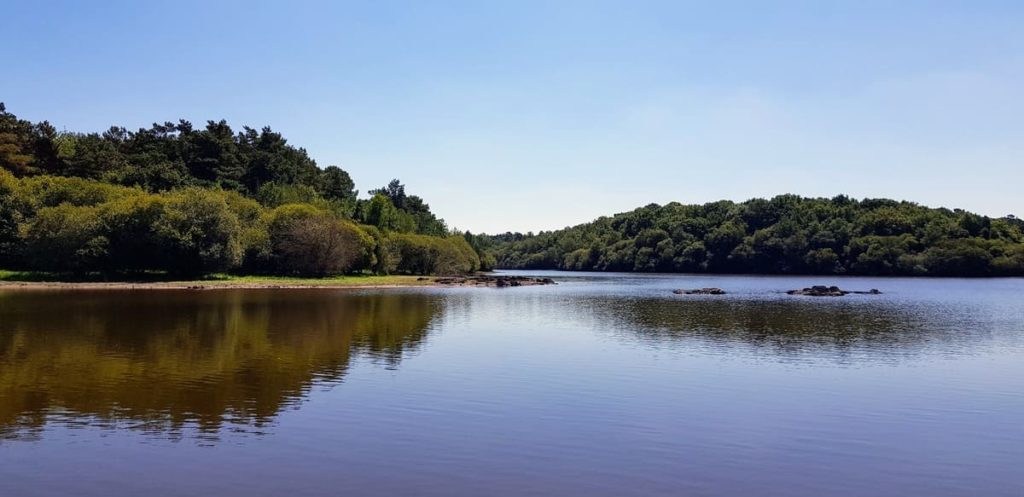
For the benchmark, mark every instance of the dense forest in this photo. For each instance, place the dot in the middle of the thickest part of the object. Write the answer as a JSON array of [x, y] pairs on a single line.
[[191, 201], [787, 234]]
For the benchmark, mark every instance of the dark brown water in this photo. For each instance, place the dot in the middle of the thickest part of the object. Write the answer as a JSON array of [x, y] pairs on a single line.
[[602, 385]]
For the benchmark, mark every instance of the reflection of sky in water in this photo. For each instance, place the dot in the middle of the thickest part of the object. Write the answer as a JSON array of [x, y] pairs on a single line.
[[596, 386]]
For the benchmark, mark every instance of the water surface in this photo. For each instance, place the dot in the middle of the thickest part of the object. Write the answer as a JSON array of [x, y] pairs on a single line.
[[601, 385]]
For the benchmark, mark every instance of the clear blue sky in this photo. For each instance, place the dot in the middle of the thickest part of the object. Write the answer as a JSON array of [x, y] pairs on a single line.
[[525, 115]]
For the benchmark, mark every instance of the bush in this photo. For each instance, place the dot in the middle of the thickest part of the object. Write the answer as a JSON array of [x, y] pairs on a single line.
[[963, 257], [129, 226], [66, 238], [421, 254], [73, 224], [254, 237], [10, 216], [275, 195], [311, 242], [198, 232], [1010, 263], [51, 191]]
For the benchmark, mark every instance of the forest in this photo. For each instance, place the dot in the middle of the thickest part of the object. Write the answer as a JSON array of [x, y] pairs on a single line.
[[787, 234], [184, 200], [190, 201]]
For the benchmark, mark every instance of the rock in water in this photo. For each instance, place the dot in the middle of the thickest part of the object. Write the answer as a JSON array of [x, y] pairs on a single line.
[[499, 281], [699, 291], [830, 291]]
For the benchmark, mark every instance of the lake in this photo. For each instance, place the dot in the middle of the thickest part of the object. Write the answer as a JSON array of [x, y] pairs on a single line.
[[603, 385]]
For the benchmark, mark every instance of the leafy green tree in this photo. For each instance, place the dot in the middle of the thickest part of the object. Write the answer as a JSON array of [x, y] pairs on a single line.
[[420, 254], [198, 232], [66, 238], [962, 257], [274, 195], [10, 217], [381, 213], [823, 261], [15, 139], [130, 226], [337, 185]]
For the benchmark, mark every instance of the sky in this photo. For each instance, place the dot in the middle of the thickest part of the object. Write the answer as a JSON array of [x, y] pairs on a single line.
[[528, 116]]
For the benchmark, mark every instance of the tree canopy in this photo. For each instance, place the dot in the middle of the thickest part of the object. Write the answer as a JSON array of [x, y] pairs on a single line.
[[787, 234], [182, 199], [187, 200]]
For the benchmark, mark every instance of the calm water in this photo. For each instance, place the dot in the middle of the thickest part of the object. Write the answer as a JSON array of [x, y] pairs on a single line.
[[602, 385]]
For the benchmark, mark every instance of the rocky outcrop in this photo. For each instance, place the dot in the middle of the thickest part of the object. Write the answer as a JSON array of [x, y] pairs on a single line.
[[830, 291], [699, 291], [495, 281]]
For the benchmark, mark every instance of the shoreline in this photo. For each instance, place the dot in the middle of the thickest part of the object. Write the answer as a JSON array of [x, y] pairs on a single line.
[[29, 282], [56, 285], [286, 283]]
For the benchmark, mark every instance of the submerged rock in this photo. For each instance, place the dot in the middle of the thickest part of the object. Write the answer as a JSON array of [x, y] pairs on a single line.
[[830, 291], [699, 291]]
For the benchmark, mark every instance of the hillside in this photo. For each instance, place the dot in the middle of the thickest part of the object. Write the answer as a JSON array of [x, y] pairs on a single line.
[[787, 234]]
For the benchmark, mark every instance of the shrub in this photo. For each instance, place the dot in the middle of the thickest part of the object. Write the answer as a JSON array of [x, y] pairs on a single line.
[[198, 232], [308, 241], [66, 238], [10, 216], [421, 254], [129, 226], [275, 195], [51, 191]]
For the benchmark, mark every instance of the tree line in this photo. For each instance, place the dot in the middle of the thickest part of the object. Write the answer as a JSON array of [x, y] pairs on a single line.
[[190, 201], [787, 234]]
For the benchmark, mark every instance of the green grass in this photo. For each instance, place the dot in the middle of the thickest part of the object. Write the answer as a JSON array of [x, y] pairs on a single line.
[[214, 279]]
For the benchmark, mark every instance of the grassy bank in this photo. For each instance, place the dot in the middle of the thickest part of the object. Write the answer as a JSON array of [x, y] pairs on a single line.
[[33, 279]]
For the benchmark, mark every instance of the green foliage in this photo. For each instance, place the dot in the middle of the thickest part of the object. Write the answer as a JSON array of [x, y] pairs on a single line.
[[420, 254], [336, 185], [16, 137], [66, 238], [382, 213], [483, 246], [413, 214], [274, 195], [129, 224], [51, 191], [307, 241], [168, 156], [179, 199], [10, 216], [783, 235], [198, 232]]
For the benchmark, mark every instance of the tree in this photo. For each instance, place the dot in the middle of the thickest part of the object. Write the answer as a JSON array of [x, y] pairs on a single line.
[[394, 191], [380, 212], [10, 217], [14, 143], [337, 185], [420, 254], [66, 238], [786, 234], [317, 244], [198, 232]]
